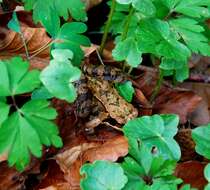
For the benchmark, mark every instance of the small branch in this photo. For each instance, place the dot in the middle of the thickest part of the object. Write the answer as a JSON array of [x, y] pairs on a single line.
[[107, 27], [14, 103]]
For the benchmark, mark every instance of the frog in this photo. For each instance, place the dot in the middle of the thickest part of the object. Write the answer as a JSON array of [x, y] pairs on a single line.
[[98, 100]]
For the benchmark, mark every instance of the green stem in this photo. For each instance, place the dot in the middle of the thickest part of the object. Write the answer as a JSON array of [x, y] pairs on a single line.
[[24, 44], [107, 27], [157, 87], [127, 24], [125, 32]]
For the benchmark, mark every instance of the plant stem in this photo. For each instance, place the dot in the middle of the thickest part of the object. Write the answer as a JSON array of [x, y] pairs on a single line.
[[125, 32], [107, 27], [127, 24], [42, 49], [14, 103], [157, 87], [24, 44]]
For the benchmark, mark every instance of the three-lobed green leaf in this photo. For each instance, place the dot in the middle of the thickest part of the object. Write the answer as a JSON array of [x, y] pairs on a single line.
[[26, 130], [70, 37], [16, 79], [154, 131]]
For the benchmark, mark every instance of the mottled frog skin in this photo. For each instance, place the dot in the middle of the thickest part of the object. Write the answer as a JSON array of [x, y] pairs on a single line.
[[98, 99]]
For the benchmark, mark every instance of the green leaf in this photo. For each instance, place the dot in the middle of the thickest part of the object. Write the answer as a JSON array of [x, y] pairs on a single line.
[[178, 67], [16, 79], [151, 167], [75, 7], [201, 137], [71, 38], [26, 130], [14, 23], [207, 172], [48, 12], [58, 78], [62, 54], [190, 32], [128, 50], [62, 8], [170, 3], [102, 175], [154, 36], [186, 187], [195, 8], [155, 131], [126, 90], [4, 110], [207, 187], [182, 73], [146, 7], [41, 93]]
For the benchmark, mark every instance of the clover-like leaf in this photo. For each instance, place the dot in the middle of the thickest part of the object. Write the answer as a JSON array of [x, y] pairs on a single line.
[[15, 77], [70, 37], [201, 137], [102, 175], [154, 131], [58, 78], [26, 130]]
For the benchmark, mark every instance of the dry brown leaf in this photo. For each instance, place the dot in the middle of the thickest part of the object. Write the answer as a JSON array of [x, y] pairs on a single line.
[[110, 150], [10, 178], [71, 160], [192, 173], [67, 158], [53, 178], [201, 115], [169, 100], [36, 39]]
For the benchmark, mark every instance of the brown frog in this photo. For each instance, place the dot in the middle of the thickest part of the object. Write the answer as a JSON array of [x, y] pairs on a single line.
[[99, 100]]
